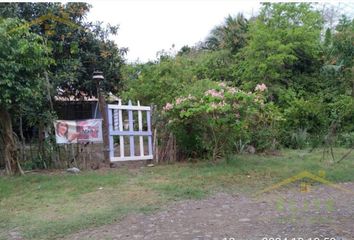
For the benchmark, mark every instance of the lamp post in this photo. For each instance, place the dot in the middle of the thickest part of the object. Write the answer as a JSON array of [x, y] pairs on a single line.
[[98, 78]]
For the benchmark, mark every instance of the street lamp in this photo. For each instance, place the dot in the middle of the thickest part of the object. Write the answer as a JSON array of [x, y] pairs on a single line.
[[98, 78]]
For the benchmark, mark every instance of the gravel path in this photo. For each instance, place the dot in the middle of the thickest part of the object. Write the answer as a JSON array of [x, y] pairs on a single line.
[[322, 212]]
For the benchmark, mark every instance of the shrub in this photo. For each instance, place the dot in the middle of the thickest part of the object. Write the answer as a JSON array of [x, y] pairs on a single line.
[[342, 112], [304, 118], [217, 117]]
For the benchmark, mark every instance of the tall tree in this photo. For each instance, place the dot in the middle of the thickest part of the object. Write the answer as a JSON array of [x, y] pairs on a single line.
[[283, 45], [338, 52], [343, 49], [23, 61], [78, 47]]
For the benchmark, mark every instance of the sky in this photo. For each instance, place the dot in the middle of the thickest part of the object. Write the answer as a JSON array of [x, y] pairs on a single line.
[[149, 26]]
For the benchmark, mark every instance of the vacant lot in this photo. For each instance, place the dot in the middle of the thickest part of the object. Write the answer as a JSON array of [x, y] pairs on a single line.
[[56, 204]]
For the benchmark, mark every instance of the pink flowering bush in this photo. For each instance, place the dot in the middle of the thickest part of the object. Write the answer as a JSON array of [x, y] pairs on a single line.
[[215, 118]]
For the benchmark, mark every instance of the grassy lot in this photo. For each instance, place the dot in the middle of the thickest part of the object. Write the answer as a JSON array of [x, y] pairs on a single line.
[[52, 205]]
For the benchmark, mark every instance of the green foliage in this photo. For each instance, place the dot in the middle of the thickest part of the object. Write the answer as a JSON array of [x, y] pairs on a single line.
[[342, 112], [308, 72], [162, 81], [215, 118], [215, 65], [30, 79], [24, 57], [158, 83], [304, 118], [283, 43], [78, 47], [339, 51], [231, 35], [306, 114]]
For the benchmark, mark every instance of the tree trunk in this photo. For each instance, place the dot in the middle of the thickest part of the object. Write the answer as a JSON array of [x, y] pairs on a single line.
[[41, 139], [10, 152], [22, 139]]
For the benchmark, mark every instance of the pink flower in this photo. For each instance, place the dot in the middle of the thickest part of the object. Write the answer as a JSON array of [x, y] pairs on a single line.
[[214, 93], [168, 107], [179, 100], [261, 87], [222, 84], [182, 99]]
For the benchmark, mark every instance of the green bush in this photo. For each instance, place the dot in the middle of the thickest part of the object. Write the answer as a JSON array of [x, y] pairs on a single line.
[[346, 140], [304, 118], [342, 112], [218, 116]]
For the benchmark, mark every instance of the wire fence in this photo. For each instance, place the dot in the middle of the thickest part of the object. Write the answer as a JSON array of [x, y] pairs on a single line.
[[49, 155]]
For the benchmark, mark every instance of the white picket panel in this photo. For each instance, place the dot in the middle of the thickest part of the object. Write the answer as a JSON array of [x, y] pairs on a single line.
[[116, 121]]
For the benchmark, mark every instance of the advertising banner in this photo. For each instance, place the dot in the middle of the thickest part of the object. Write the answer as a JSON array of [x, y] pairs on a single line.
[[79, 131]]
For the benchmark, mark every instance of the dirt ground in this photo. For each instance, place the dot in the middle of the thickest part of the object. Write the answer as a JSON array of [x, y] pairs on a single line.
[[321, 212]]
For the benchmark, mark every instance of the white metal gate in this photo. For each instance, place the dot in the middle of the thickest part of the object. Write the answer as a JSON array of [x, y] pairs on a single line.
[[121, 123]]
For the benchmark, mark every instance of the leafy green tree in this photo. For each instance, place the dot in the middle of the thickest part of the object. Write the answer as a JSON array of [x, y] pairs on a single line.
[[283, 46], [160, 82], [343, 50], [78, 47], [23, 62]]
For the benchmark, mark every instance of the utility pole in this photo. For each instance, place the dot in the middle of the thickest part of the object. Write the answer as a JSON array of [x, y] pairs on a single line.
[[98, 78]]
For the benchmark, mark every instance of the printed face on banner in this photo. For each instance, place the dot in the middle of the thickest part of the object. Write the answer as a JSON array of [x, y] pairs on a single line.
[[78, 131]]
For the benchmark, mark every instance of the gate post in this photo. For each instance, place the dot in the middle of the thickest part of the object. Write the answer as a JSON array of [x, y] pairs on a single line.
[[111, 139]]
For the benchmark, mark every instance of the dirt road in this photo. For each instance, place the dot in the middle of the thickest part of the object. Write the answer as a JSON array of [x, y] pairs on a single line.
[[323, 212]]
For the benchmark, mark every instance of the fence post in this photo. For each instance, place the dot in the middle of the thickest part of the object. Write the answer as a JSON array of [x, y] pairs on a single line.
[[148, 121], [131, 129], [111, 140], [120, 125], [141, 139]]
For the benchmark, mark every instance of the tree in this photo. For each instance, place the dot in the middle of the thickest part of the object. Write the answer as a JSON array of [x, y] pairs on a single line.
[[78, 47], [23, 62], [343, 49], [231, 35], [283, 45]]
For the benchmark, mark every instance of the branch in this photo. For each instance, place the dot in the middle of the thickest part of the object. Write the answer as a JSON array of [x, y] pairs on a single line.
[[346, 155]]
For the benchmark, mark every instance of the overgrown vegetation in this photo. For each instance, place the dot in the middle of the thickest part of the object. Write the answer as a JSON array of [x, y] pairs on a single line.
[[301, 58], [305, 63]]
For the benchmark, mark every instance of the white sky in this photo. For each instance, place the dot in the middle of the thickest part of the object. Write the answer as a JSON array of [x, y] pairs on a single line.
[[149, 26]]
